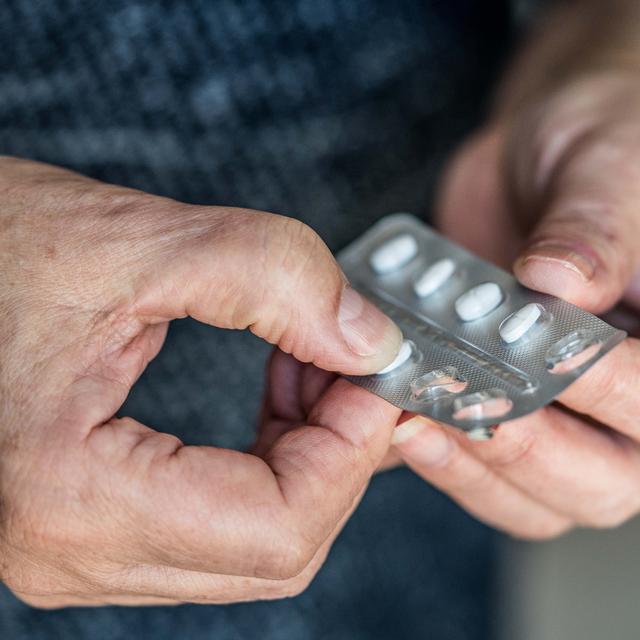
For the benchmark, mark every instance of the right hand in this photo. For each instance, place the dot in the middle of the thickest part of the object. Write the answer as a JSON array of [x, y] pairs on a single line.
[[97, 510], [555, 192]]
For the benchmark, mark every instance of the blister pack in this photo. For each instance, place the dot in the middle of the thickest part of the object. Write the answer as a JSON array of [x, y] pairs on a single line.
[[479, 347]]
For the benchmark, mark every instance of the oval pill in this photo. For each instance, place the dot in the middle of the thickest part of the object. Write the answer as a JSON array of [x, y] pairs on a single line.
[[394, 253], [478, 301], [405, 352], [434, 277], [513, 327]]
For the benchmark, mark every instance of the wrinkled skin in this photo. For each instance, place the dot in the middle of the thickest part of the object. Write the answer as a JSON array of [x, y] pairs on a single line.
[[97, 510]]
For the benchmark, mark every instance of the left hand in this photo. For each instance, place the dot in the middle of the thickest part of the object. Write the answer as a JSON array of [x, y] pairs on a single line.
[[101, 510], [565, 215]]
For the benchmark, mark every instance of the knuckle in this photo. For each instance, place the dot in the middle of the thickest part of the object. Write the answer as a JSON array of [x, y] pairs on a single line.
[[289, 560], [298, 250], [591, 219], [293, 229], [296, 266]]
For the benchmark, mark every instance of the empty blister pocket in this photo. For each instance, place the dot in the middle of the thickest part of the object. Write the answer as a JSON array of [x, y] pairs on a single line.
[[479, 347]]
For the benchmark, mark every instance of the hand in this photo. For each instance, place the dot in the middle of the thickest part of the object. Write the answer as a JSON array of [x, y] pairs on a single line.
[[98, 510], [554, 191]]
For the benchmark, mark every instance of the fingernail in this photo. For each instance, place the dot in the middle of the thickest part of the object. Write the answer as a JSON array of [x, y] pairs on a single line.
[[422, 442], [367, 331], [577, 259]]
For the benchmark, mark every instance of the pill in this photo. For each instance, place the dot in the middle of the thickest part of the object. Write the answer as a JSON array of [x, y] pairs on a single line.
[[406, 350], [479, 301], [513, 327], [434, 277], [393, 254]]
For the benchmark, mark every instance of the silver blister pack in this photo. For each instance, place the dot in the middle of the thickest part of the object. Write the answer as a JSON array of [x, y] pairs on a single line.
[[479, 347]]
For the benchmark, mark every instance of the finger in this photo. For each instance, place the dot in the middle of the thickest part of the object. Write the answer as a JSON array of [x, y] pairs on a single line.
[[322, 468], [172, 586], [204, 588], [607, 391], [98, 600], [391, 460], [271, 430], [220, 511], [235, 268], [275, 276], [313, 384], [293, 389], [565, 463], [247, 270], [437, 456], [284, 379], [472, 206], [584, 247]]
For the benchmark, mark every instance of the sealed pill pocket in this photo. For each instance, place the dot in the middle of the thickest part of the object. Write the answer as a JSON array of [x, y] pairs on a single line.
[[479, 348]]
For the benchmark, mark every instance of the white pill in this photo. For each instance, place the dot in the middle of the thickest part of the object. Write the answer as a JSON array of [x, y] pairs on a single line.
[[513, 327], [406, 349], [479, 301], [434, 277], [393, 254]]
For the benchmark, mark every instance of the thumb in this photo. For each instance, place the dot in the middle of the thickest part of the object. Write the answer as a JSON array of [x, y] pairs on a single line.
[[585, 246], [276, 277]]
